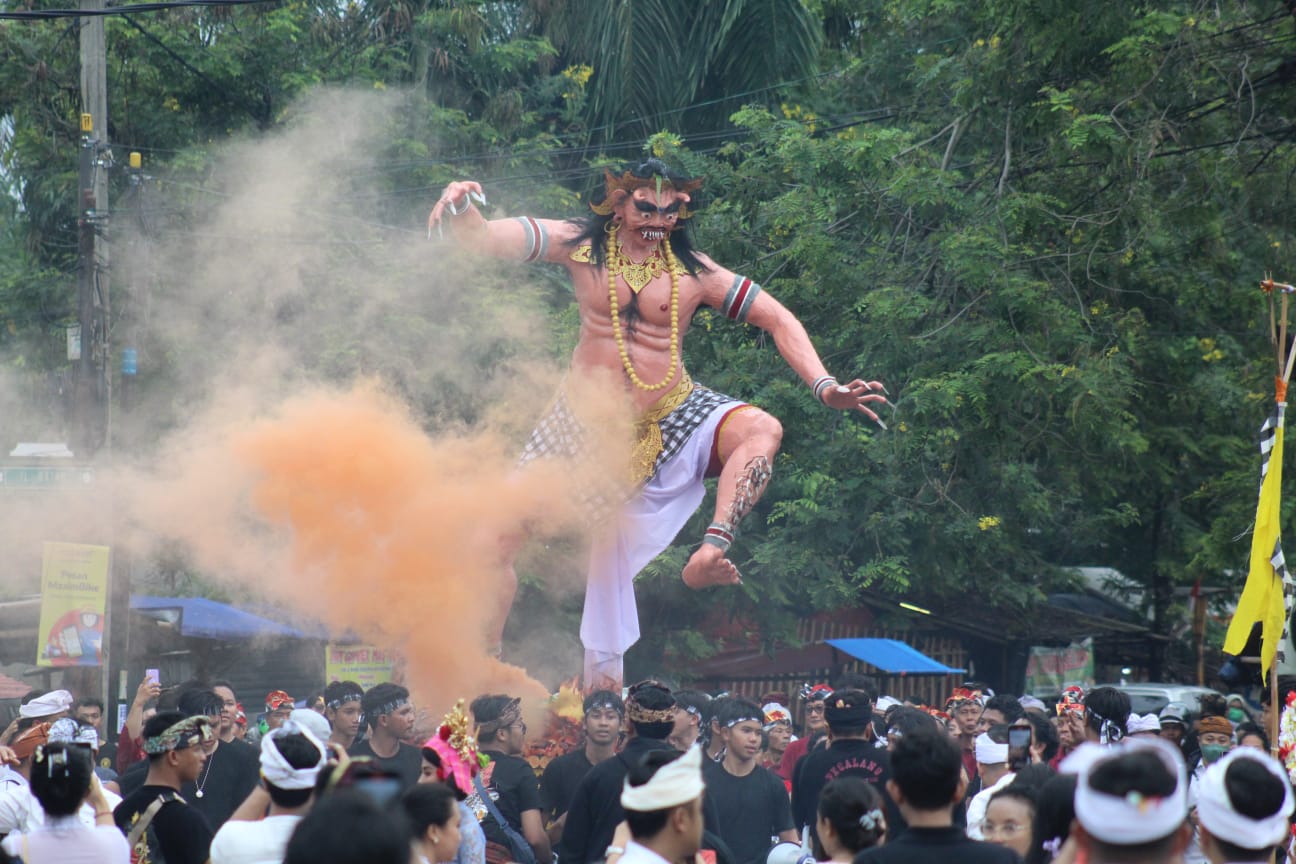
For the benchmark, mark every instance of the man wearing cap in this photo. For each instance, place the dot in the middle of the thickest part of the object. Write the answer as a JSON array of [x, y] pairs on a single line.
[[662, 802], [746, 804], [1173, 727], [604, 712], [1143, 726], [1244, 805], [390, 716], [1215, 738], [595, 809], [508, 779], [155, 819], [849, 715], [1131, 804], [994, 772], [343, 712], [812, 696], [291, 759]]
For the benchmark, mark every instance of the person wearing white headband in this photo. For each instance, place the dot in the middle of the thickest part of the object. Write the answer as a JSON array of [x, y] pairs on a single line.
[[48, 706], [1131, 805], [1148, 725], [1244, 803], [992, 766], [291, 758], [662, 799]]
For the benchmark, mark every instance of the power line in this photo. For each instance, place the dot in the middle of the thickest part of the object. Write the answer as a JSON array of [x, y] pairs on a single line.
[[129, 9]]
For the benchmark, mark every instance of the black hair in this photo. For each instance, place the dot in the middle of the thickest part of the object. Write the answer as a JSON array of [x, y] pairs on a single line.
[[1054, 813], [487, 710], [199, 702], [433, 758], [907, 720], [648, 823], [346, 827], [89, 702], [344, 691], [1045, 733], [1256, 794], [927, 765], [427, 804], [378, 696], [1143, 773], [1006, 705], [843, 802], [60, 777], [856, 681], [159, 723], [1107, 703], [1035, 775], [652, 696], [1249, 728], [594, 227], [603, 697], [299, 752], [697, 700], [222, 682], [739, 709]]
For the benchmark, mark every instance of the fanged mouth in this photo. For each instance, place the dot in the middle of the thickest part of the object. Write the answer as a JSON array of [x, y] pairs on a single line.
[[653, 234]]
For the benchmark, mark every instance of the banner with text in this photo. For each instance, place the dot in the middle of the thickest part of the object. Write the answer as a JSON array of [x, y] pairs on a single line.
[[74, 598], [1049, 670], [364, 664]]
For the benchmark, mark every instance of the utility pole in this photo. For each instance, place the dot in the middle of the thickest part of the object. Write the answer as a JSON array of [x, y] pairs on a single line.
[[93, 413]]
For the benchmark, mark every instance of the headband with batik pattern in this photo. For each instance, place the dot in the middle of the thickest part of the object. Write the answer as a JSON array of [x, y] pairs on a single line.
[[511, 714], [189, 732]]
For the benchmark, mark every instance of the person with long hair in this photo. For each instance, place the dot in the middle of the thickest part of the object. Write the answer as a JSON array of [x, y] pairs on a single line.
[[62, 779], [850, 820], [638, 283]]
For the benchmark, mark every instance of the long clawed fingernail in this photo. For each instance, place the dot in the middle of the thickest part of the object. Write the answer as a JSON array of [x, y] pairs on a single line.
[[880, 423]]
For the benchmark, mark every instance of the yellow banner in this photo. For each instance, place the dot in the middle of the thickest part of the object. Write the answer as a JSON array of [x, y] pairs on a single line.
[[74, 597], [364, 664]]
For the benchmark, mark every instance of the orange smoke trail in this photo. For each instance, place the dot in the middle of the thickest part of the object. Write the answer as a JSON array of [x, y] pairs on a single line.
[[365, 522]]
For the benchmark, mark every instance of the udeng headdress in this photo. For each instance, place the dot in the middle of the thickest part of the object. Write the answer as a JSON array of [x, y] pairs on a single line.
[[628, 182], [456, 748]]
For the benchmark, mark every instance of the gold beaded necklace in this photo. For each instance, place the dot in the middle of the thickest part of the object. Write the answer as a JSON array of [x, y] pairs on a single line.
[[616, 266]]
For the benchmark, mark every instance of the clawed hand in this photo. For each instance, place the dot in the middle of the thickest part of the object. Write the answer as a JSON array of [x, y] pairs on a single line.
[[455, 198], [856, 396]]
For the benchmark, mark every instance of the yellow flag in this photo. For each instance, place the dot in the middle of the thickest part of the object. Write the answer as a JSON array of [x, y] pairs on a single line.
[[1262, 596]]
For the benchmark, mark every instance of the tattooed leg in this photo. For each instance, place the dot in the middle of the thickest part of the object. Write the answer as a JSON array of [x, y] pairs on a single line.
[[748, 442]]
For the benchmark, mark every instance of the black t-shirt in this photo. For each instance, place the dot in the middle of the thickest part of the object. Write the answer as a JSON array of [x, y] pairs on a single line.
[[845, 757], [937, 846], [595, 809], [514, 789], [746, 812], [182, 832], [407, 763], [228, 776], [559, 781]]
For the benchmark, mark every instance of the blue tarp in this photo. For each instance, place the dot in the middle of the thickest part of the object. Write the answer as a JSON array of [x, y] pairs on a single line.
[[891, 656], [201, 618]]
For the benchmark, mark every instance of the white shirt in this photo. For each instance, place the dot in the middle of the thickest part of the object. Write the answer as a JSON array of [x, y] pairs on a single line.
[[261, 842], [980, 803], [636, 854], [67, 841], [18, 808]]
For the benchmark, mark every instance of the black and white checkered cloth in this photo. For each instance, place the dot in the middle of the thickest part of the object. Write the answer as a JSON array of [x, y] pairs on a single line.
[[559, 434]]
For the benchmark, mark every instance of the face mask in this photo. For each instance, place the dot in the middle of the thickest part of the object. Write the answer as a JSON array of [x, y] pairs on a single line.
[[1237, 715], [1211, 753]]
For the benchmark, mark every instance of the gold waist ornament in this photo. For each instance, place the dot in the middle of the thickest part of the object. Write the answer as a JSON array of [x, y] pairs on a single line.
[[648, 443]]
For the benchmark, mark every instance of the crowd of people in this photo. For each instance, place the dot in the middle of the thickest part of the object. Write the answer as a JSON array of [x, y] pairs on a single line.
[[654, 774]]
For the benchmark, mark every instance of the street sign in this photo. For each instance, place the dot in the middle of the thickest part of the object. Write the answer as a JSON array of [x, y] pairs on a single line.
[[45, 477]]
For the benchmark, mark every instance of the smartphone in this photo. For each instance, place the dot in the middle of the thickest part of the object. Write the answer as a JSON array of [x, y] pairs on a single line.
[[152, 675], [1019, 741]]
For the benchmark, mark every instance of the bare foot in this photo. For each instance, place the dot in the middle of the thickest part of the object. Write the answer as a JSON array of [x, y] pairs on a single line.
[[709, 567]]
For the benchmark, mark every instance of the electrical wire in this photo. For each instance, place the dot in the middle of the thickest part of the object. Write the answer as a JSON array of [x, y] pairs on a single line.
[[128, 9]]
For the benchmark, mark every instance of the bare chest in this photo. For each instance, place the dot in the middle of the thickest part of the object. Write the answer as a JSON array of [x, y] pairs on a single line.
[[659, 300]]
